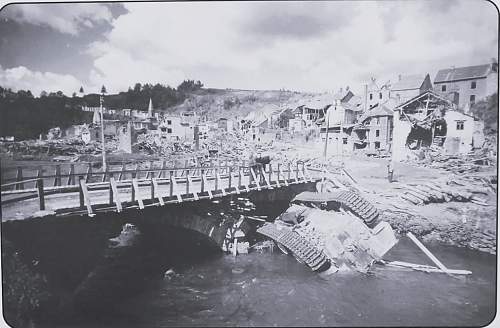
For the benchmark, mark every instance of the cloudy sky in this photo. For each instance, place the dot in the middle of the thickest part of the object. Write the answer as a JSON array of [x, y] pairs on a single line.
[[309, 46]]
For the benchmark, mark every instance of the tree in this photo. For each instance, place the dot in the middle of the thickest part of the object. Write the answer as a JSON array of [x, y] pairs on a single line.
[[103, 90], [43, 94], [487, 111], [81, 90]]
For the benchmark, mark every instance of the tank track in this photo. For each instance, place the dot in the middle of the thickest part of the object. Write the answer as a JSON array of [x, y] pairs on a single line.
[[358, 206], [300, 247]]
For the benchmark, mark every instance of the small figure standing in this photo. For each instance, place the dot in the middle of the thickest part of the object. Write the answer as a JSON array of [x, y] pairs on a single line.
[[390, 171]]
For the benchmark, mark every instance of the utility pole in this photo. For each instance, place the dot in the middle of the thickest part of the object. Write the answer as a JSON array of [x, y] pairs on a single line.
[[101, 100], [327, 128]]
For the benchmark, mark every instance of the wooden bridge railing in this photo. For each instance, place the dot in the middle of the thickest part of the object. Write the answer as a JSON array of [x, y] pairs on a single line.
[[226, 179]]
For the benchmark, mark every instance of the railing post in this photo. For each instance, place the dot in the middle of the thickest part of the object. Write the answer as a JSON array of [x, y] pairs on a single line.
[[152, 190], [239, 176], [216, 178], [202, 180], [80, 190], [187, 181], [111, 200], [19, 177], [171, 184], [89, 172], [132, 186], [230, 175], [41, 196], [39, 175], [121, 172], [289, 170]]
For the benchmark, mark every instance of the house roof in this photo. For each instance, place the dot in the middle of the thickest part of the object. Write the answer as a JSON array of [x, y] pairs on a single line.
[[462, 73], [409, 82], [422, 95], [380, 110]]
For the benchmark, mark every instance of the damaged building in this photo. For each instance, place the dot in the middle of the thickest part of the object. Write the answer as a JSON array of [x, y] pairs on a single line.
[[432, 120]]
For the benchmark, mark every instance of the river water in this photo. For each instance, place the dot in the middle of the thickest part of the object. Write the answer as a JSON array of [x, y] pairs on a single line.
[[207, 288], [272, 289]]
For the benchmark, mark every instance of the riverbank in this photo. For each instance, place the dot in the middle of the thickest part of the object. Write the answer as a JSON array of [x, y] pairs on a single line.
[[462, 224]]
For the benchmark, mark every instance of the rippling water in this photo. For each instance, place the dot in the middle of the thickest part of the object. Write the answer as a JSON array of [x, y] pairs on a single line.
[[273, 289]]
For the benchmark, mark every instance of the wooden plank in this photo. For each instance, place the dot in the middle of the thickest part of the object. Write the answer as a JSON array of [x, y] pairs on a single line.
[[19, 177], [425, 268], [195, 194], [41, 197], [286, 181], [86, 197], [205, 181], [135, 186], [308, 174], [268, 180], [89, 173], [104, 173], [255, 178], [427, 252], [163, 167], [202, 180], [116, 197], [174, 186], [222, 187], [160, 196], [296, 173], [171, 184], [57, 179], [120, 175], [80, 191], [71, 177]]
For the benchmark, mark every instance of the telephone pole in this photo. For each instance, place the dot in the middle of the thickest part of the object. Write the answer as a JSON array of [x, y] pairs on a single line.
[[101, 100]]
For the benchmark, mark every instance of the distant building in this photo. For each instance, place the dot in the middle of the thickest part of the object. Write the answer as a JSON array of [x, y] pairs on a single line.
[[467, 85], [376, 127], [375, 94], [172, 128], [225, 124], [409, 86]]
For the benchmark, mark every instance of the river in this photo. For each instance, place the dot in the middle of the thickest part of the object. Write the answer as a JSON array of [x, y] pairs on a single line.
[[272, 289], [207, 288]]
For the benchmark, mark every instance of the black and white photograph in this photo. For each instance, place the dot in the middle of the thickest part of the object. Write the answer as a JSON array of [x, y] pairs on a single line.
[[249, 163]]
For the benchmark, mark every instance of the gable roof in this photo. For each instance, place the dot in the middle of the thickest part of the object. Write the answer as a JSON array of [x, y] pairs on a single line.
[[462, 73], [422, 95], [409, 82]]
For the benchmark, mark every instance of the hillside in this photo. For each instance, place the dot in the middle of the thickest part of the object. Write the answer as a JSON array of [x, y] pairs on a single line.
[[228, 103]]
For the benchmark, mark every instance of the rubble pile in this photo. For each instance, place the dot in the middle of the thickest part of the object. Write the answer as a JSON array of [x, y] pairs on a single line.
[[38, 149], [472, 162]]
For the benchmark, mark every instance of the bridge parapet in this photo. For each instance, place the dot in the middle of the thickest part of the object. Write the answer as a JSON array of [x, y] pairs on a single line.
[[156, 187]]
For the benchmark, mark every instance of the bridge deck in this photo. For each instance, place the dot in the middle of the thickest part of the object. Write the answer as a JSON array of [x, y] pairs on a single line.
[[97, 197]]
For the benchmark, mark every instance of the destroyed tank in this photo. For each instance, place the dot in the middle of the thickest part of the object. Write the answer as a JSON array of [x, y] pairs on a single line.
[[335, 231]]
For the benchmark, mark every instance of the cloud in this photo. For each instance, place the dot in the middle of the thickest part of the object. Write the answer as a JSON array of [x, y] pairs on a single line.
[[297, 20], [310, 46], [68, 18], [21, 78]]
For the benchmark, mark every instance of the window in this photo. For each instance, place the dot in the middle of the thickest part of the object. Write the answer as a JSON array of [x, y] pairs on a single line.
[[169, 122], [380, 95], [378, 121], [377, 144], [443, 87], [169, 130], [344, 141], [163, 129], [371, 96], [377, 133], [472, 99], [473, 85], [460, 125]]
